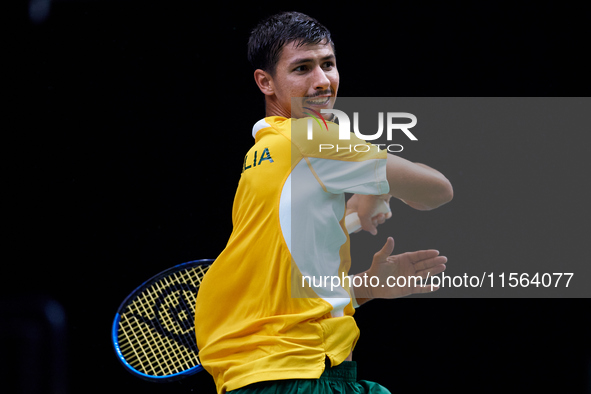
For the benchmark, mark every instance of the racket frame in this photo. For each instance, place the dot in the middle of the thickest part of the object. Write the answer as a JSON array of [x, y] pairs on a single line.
[[133, 295]]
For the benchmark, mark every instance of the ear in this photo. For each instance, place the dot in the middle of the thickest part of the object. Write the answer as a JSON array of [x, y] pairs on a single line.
[[264, 81]]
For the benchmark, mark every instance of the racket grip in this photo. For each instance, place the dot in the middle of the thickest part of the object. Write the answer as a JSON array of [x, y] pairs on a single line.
[[352, 222]]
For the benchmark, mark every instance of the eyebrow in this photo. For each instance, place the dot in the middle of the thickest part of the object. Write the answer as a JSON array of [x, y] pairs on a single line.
[[309, 59]]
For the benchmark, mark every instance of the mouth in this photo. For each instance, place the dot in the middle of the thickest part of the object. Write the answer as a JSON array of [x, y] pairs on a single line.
[[318, 101]]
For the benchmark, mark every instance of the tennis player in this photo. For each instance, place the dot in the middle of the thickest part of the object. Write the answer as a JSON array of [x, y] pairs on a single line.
[[260, 328]]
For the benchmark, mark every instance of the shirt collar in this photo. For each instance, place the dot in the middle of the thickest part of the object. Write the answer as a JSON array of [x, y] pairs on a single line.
[[261, 124]]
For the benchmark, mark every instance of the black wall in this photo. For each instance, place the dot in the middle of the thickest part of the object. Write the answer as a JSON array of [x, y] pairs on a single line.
[[132, 121]]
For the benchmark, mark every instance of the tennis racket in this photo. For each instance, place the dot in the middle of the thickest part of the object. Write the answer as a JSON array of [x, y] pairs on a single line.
[[153, 332], [154, 329]]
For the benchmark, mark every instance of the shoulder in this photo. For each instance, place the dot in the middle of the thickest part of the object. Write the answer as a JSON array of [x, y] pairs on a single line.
[[325, 140]]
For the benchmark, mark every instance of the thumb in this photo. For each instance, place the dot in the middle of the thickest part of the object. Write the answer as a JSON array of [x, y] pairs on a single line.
[[386, 250]]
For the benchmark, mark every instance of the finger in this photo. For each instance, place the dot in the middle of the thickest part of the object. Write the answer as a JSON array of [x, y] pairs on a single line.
[[419, 255], [419, 259], [367, 225], [386, 250], [432, 271], [380, 218], [376, 221], [424, 289], [369, 210], [428, 263]]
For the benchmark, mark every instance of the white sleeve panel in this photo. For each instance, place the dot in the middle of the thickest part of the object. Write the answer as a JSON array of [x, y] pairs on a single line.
[[362, 177]]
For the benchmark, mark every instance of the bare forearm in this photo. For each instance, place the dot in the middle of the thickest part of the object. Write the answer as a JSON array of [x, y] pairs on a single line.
[[417, 184], [361, 293]]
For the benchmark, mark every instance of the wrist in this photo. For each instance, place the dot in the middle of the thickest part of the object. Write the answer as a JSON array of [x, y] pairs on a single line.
[[360, 291]]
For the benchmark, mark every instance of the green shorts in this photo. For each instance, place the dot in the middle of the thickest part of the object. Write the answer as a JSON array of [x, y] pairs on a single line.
[[341, 379]]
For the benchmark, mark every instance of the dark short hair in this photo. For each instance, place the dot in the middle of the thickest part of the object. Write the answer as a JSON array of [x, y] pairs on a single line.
[[273, 33]]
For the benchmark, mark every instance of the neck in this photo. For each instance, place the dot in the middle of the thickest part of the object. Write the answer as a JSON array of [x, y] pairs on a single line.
[[272, 108]]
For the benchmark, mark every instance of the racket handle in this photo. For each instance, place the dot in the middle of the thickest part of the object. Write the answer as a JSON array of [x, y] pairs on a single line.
[[352, 220]]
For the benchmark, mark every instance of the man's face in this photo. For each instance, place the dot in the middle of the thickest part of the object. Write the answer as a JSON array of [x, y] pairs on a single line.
[[308, 71]]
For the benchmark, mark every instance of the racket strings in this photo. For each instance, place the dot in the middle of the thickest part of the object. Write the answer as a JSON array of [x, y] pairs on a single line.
[[180, 353], [152, 340], [141, 348], [148, 338]]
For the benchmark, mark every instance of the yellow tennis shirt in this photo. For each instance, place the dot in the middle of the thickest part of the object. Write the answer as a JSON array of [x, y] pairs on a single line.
[[257, 317]]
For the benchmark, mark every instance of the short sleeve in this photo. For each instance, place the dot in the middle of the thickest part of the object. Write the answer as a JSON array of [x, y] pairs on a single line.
[[341, 165]]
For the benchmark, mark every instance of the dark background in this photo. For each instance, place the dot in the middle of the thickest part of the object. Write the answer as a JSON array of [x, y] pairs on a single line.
[[132, 121]]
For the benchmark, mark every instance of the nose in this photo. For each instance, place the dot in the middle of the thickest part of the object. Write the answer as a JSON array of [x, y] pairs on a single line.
[[321, 81]]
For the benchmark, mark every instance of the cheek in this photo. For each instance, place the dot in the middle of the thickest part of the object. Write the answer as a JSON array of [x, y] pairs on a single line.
[[291, 87], [298, 87], [335, 79]]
